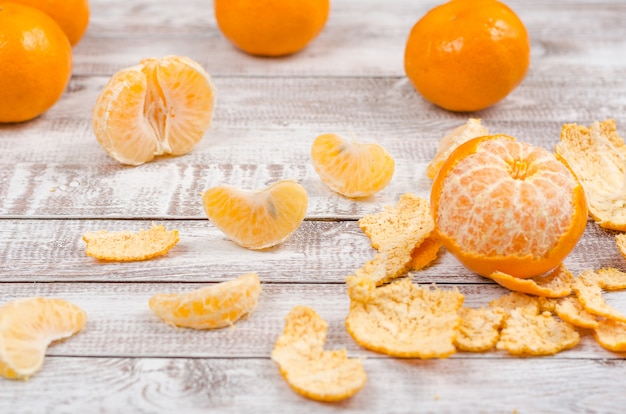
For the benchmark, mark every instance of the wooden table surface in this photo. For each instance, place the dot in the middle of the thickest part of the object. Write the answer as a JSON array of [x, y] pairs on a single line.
[[57, 183]]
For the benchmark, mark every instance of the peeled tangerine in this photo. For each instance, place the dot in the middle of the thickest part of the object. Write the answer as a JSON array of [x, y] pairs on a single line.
[[351, 168], [500, 205], [28, 326], [211, 307], [161, 106], [257, 219]]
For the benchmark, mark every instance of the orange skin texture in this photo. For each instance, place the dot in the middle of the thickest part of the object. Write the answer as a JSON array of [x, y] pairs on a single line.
[[466, 55], [71, 15], [271, 27], [36, 61], [522, 265]]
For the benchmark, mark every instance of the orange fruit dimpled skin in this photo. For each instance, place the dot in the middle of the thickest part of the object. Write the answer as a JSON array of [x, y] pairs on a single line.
[[36, 62], [500, 205], [161, 106], [351, 168], [466, 55], [271, 27], [72, 16], [257, 219]]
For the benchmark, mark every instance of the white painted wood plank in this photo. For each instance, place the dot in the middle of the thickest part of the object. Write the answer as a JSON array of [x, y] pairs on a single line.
[[120, 323], [318, 252], [148, 385]]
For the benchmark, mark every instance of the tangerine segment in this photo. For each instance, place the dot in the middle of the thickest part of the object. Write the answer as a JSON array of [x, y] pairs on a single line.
[[28, 326], [161, 106], [500, 205], [597, 156], [125, 246], [404, 320], [211, 307], [469, 130], [309, 369], [257, 219], [556, 284], [351, 168]]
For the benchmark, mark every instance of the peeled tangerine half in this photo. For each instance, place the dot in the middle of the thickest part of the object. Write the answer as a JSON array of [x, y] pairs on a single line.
[[257, 219], [351, 168], [500, 205], [28, 326], [161, 106], [211, 307]]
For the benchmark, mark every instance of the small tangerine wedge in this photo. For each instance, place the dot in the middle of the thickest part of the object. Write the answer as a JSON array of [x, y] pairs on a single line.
[[211, 307], [161, 106], [500, 205], [257, 219], [351, 168], [28, 326]]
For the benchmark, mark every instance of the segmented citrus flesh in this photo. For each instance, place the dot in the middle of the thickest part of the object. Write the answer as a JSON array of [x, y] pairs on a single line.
[[597, 156], [469, 130], [351, 168], [257, 219], [309, 369], [501, 205], [159, 107], [126, 246], [210, 307], [28, 326]]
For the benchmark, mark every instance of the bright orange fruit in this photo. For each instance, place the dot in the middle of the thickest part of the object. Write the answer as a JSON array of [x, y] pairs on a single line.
[[271, 27], [211, 307], [351, 168], [161, 106], [466, 55], [28, 326], [71, 15], [501, 205], [35, 62], [257, 219]]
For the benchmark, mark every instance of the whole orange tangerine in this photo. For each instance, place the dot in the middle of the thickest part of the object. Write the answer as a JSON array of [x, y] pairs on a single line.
[[271, 27], [35, 62], [466, 55], [500, 205]]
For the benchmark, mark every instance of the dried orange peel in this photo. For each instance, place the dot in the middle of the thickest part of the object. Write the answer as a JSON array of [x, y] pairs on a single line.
[[588, 288], [126, 246], [351, 168], [310, 370], [480, 329], [404, 320], [28, 327], [571, 310], [469, 130], [257, 219], [611, 334], [211, 307], [556, 284]]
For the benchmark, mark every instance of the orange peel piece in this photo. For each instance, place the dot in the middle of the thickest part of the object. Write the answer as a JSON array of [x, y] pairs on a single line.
[[126, 246], [28, 326], [480, 329], [309, 369], [395, 232], [571, 310], [425, 253], [556, 284], [597, 157], [588, 289], [611, 334], [469, 130], [528, 333], [611, 278], [514, 300], [210, 307], [404, 320]]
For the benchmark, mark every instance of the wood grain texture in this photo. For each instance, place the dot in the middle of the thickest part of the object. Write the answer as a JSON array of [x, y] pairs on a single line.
[[199, 385]]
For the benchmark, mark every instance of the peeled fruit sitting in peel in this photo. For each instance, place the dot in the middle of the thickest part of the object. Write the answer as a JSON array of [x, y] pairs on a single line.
[[161, 106], [500, 205]]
